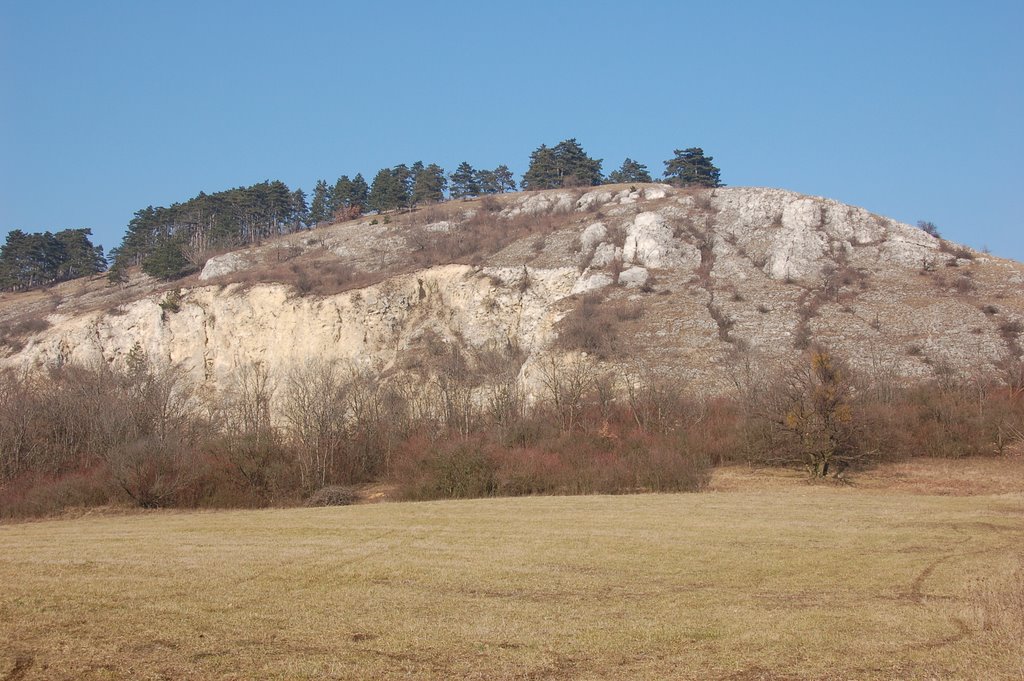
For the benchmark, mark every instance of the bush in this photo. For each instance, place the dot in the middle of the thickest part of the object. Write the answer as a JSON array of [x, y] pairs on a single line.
[[14, 334], [445, 470], [39, 495], [592, 325], [171, 302], [333, 495], [587, 432]]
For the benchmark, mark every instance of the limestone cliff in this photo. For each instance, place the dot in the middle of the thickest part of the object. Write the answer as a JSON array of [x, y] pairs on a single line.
[[715, 275]]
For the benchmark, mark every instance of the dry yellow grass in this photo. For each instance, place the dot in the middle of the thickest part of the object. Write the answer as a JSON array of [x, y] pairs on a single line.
[[805, 582]]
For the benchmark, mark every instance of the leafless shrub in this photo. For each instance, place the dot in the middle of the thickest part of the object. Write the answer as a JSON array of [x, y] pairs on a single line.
[[27, 327], [567, 381], [837, 277], [1011, 328], [964, 285], [499, 365], [477, 238], [282, 252], [959, 252], [802, 336], [314, 399], [244, 406], [628, 310], [592, 326], [333, 495], [808, 416], [13, 335]]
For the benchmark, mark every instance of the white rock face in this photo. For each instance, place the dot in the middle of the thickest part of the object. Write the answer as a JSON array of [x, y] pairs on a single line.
[[592, 236], [650, 242], [634, 277], [757, 235], [540, 204], [218, 329], [222, 265], [656, 191], [605, 255], [603, 197], [591, 281], [800, 245], [594, 198], [796, 235]]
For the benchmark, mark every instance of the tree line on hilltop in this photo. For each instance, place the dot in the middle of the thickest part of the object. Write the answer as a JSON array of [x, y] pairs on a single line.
[[170, 241], [45, 258]]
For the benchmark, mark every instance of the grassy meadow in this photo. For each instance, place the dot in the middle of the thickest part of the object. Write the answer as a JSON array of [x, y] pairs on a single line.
[[779, 581]]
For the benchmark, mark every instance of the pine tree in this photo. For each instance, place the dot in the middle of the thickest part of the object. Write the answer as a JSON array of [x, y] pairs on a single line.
[[631, 171], [486, 180], [360, 192], [691, 168], [299, 209], [497, 181], [405, 176], [22, 260], [575, 167], [318, 210], [40, 259], [140, 237], [341, 195], [79, 256], [167, 261], [388, 189], [464, 183], [429, 185], [504, 180], [543, 172], [564, 165]]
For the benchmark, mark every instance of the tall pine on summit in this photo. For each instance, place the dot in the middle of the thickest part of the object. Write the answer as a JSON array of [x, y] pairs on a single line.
[[320, 209], [429, 185], [464, 182], [564, 165], [691, 168], [631, 171]]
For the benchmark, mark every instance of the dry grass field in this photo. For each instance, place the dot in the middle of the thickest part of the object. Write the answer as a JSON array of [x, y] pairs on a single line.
[[782, 580]]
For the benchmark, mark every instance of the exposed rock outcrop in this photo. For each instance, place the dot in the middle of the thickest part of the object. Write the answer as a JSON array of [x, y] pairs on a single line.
[[716, 273]]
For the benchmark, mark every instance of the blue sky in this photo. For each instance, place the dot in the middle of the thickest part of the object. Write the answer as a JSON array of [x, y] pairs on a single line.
[[910, 109]]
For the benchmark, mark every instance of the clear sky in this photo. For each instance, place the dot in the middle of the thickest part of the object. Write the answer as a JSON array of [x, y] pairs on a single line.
[[910, 109]]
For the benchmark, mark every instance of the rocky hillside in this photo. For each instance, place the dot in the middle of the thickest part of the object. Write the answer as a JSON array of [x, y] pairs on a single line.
[[692, 283]]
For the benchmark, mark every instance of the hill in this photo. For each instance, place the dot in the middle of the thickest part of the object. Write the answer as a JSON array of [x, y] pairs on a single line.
[[689, 283], [620, 339]]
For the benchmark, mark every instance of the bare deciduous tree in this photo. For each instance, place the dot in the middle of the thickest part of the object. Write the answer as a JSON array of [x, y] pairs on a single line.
[[314, 405], [567, 382]]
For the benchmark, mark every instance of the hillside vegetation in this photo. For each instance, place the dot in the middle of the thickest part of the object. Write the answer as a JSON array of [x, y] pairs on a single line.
[[623, 338]]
